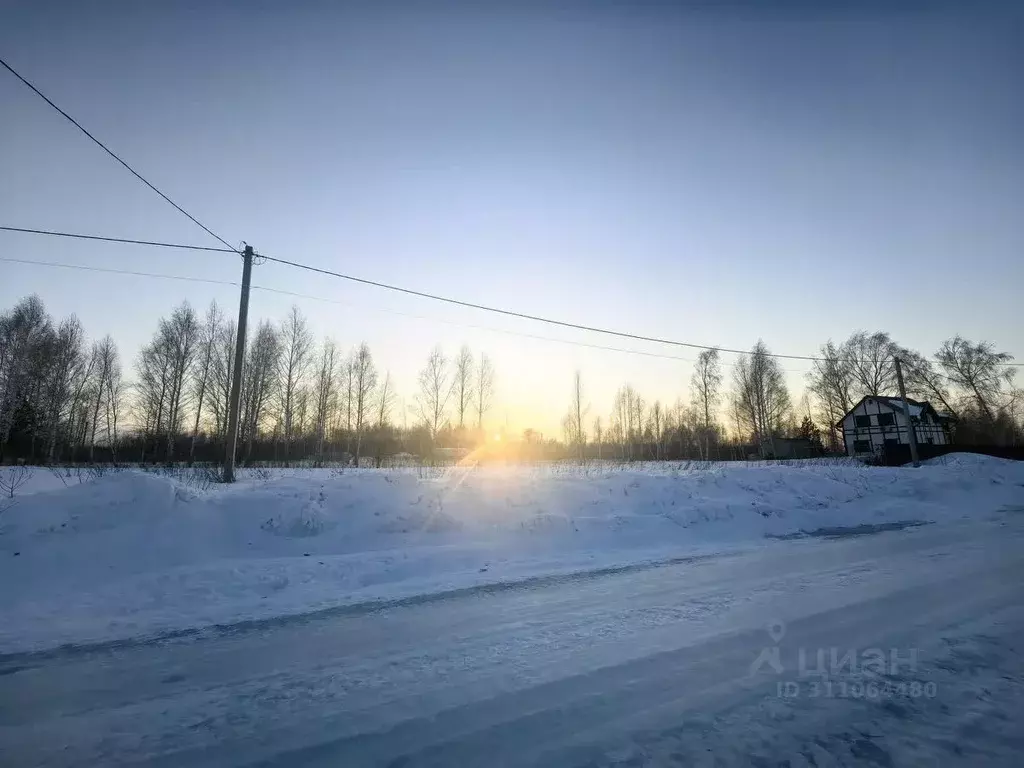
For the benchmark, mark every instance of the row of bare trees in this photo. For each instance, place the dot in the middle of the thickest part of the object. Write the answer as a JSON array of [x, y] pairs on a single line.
[[63, 397], [969, 380], [297, 394], [59, 394], [638, 430], [454, 394]]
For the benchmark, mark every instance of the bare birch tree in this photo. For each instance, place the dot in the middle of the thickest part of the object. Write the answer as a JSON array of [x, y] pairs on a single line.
[[364, 383], [979, 370], [637, 422], [259, 379], [484, 389], [325, 393], [296, 342], [348, 388], [831, 380], [573, 423], [68, 363], [208, 335], [670, 427], [761, 393], [78, 411], [463, 384], [152, 373], [705, 386], [20, 330], [656, 426], [385, 401], [679, 418], [925, 381], [115, 389], [624, 426], [871, 358], [105, 355], [221, 368], [179, 336], [435, 392]]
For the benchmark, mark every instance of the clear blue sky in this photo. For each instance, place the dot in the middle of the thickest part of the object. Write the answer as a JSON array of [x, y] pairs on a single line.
[[712, 176]]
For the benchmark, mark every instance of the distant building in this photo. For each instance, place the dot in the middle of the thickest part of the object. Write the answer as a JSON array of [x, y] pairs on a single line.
[[788, 448], [878, 421]]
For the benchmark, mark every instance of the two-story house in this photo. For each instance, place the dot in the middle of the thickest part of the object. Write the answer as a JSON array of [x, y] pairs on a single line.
[[878, 421]]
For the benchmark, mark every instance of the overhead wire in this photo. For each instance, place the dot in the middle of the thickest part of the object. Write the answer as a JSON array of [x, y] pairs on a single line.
[[111, 270], [295, 294], [127, 240], [490, 329], [436, 297], [421, 294], [521, 315], [537, 318], [114, 155]]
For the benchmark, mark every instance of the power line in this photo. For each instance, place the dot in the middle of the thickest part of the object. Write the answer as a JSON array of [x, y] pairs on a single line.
[[110, 152], [110, 270], [521, 315], [409, 291], [414, 293], [488, 329], [104, 238], [295, 294], [537, 318]]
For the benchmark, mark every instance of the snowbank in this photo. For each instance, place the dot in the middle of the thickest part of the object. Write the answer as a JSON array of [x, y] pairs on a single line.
[[132, 553]]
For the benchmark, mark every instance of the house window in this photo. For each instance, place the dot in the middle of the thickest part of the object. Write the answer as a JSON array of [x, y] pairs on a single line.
[[885, 420], [862, 421], [862, 446]]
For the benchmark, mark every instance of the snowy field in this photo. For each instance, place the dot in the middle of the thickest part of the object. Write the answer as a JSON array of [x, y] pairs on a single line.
[[130, 553]]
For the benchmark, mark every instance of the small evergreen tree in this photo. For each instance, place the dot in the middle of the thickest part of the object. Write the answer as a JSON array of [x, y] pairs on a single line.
[[810, 432]]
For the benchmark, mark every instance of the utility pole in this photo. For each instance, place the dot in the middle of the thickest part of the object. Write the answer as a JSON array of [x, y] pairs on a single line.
[[236, 373], [912, 436]]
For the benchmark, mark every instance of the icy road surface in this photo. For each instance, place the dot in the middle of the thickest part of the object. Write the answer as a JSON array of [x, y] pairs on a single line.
[[647, 666]]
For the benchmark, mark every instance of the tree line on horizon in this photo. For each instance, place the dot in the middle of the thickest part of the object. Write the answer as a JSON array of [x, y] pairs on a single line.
[[969, 381], [63, 398]]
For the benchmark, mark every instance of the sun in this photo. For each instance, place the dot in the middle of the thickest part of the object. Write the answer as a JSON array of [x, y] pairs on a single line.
[[497, 437]]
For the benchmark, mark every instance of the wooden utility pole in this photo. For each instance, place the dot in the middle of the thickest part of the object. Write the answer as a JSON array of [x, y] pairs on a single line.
[[236, 373], [911, 435]]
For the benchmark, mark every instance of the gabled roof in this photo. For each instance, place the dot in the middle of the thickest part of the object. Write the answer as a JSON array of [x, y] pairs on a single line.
[[917, 407], [896, 403]]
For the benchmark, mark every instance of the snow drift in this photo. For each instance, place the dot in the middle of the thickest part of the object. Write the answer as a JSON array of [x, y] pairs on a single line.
[[138, 554]]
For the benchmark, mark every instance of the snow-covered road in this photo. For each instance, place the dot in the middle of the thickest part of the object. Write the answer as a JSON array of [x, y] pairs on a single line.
[[650, 665]]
